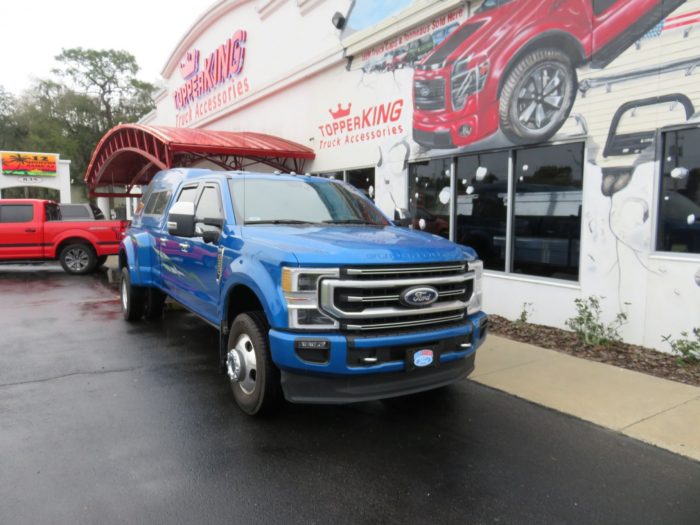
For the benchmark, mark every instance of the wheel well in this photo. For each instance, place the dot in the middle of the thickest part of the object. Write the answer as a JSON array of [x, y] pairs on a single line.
[[560, 41], [122, 259], [73, 240], [241, 299]]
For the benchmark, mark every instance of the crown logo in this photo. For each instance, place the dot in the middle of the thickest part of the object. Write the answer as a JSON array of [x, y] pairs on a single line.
[[189, 64], [340, 112]]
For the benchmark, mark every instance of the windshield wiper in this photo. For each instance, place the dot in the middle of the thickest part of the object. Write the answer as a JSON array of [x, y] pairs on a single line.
[[350, 221], [281, 221]]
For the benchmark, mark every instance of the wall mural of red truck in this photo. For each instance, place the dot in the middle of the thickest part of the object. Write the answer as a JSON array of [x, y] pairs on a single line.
[[512, 67]]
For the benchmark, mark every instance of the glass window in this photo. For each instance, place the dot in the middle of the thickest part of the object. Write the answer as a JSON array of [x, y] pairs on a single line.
[[158, 201], [300, 201], [548, 185], [209, 206], [602, 5], [363, 180], [188, 194], [334, 175], [429, 194], [75, 211], [679, 209], [481, 195], [16, 213]]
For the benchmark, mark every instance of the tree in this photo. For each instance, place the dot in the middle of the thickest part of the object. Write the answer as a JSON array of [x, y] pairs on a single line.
[[10, 131], [109, 76]]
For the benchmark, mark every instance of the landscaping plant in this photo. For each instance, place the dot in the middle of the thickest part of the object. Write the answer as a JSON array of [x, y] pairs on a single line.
[[686, 348], [589, 327]]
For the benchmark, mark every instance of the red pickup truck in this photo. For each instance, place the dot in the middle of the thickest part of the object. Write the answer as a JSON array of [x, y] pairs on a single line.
[[33, 230]]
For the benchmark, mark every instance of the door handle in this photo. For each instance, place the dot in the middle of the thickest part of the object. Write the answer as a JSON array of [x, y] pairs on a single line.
[[184, 247], [30, 230]]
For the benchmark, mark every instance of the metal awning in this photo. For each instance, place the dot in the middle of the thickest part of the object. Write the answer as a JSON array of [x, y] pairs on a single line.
[[130, 154]]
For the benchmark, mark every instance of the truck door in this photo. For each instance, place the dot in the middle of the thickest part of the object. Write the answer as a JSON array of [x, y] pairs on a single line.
[[203, 260], [178, 281], [21, 231]]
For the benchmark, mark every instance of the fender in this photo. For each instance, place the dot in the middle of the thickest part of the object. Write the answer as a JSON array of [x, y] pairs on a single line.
[[139, 258], [75, 234], [254, 275]]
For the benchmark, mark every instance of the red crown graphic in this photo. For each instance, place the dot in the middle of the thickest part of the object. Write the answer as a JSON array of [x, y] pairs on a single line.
[[341, 112], [189, 64]]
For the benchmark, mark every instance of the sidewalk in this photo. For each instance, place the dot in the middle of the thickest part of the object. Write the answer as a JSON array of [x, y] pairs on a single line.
[[657, 411]]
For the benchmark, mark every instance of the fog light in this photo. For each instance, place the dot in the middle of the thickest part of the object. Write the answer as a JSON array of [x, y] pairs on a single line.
[[464, 131]]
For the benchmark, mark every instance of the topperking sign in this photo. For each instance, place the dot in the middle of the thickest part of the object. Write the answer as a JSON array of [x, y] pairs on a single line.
[[218, 83]]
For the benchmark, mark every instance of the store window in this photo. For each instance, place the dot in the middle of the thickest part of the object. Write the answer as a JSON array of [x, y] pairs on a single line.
[[548, 185], [335, 175], [481, 194], [679, 208], [429, 195], [363, 180]]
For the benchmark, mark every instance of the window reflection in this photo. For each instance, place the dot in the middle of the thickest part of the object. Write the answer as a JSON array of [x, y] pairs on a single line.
[[482, 199], [547, 226], [429, 195], [363, 180], [679, 210]]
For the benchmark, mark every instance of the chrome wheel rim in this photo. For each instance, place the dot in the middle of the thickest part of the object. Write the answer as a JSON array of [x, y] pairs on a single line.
[[77, 259], [541, 97], [125, 297], [241, 365]]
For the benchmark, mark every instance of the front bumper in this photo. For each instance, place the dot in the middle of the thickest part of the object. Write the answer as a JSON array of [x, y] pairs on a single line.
[[345, 375]]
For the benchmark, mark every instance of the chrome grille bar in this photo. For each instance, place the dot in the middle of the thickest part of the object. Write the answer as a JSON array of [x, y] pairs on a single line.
[[405, 324]]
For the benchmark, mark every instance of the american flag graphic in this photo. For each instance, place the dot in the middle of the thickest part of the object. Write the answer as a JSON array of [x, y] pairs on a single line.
[[674, 22]]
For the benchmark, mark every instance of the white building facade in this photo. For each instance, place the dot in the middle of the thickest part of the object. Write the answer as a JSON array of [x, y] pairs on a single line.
[[561, 141]]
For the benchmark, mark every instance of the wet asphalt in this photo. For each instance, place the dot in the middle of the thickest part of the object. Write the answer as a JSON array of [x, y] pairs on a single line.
[[106, 422]]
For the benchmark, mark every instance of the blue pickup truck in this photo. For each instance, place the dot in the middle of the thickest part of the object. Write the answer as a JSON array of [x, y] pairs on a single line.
[[316, 295]]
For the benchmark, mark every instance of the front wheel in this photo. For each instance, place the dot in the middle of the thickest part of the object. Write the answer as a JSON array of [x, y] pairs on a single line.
[[254, 379], [537, 96], [78, 259]]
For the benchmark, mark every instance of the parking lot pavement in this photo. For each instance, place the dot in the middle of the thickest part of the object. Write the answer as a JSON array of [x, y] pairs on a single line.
[[104, 422]]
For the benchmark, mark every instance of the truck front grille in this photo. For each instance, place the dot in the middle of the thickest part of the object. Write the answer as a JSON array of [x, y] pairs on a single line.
[[369, 298], [429, 95]]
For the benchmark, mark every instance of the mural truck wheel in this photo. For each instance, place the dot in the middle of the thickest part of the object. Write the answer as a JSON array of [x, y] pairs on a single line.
[[537, 96]]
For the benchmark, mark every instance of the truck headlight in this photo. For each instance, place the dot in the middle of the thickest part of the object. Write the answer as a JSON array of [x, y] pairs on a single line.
[[300, 288], [477, 267], [467, 80]]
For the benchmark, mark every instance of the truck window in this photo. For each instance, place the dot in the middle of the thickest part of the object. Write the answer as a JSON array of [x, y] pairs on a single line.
[[16, 213], [209, 205], [601, 5], [158, 201], [76, 211], [187, 194]]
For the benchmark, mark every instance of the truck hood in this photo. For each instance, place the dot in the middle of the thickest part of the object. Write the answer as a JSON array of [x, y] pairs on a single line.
[[343, 245]]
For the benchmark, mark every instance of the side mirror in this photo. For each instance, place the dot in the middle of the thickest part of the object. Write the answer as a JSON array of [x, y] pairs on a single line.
[[211, 236], [181, 219]]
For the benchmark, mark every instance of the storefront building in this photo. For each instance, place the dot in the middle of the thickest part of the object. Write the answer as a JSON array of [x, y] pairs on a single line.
[[560, 139]]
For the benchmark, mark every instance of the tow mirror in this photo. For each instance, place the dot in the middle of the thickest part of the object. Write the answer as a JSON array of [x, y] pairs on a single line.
[[181, 219]]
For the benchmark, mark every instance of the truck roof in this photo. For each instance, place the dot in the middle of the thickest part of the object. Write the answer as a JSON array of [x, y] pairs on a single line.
[[168, 179]]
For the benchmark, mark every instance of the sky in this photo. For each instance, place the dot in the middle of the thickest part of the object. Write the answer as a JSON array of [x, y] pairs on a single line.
[[366, 13], [33, 32]]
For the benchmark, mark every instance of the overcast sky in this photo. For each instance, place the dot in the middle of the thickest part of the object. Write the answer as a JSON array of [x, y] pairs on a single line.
[[32, 33]]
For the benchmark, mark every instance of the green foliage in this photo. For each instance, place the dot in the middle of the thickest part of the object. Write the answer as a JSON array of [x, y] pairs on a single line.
[[590, 328], [686, 348], [525, 314], [92, 91]]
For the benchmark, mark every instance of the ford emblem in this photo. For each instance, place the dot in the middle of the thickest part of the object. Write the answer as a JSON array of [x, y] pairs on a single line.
[[424, 91], [419, 296], [423, 358]]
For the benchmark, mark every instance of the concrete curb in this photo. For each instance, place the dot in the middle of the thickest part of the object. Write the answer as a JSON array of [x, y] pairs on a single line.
[[657, 411]]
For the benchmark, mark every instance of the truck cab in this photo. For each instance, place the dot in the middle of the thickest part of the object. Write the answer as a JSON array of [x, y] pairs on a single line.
[[317, 296]]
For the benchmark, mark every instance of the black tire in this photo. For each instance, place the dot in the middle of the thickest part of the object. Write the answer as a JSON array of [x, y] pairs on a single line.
[[530, 111], [257, 389], [133, 298], [101, 260], [154, 304], [78, 258]]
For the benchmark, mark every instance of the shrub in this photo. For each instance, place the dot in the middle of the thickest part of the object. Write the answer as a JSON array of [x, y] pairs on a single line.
[[687, 349], [525, 314], [589, 327]]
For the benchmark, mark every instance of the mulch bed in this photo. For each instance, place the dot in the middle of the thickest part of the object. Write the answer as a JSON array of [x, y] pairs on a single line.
[[623, 355]]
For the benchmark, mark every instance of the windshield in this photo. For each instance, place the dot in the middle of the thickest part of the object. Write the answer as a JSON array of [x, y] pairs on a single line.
[[303, 201], [491, 4]]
